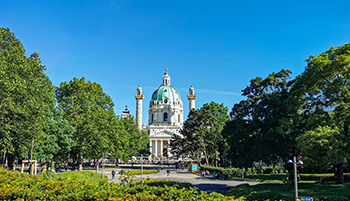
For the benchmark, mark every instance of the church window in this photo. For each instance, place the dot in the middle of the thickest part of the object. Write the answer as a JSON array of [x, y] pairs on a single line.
[[166, 82], [178, 117], [152, 118], [165, 101], [165, 116]]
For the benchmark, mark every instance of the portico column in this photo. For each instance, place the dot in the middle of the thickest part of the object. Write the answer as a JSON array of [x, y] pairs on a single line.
[[156, 147], [168, 150], [150, 147], [161, 147]]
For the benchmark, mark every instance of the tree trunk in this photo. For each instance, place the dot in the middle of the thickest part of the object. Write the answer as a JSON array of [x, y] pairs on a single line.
[[80, 162], [73, 164], [198, 160], [339, 173], [32, 148], [206, 157], [11, 161]]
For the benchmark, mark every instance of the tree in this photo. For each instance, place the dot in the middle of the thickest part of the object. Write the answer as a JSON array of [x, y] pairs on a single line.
[[90, 111], [326, 84], [131, 141], [56, 139], [266, 124], [202, 132], [25, 96], [323, 147]]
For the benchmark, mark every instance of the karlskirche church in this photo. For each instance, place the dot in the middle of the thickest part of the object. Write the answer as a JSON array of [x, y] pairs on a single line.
[[165, 116]]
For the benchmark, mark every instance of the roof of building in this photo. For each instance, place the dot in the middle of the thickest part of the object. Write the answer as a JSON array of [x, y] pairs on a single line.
[[166, 91]]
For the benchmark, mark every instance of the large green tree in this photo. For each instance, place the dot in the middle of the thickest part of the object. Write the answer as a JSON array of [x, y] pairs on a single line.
[[135, 141], [266, 124], [323, 147], [326, 84], [26, 93], [202, 133], [90, 111], [56, 140]]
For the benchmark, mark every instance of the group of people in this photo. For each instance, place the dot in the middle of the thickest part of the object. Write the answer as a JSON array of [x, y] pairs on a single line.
[[205, 173], [181, 165]]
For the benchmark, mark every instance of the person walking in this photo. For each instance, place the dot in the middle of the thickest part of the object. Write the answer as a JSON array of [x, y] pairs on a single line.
[[168, 172], [161, 170], [113, 174]]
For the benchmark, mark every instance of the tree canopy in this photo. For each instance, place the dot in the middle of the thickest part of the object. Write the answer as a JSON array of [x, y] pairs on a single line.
[[25, 96], [323, 147], [202, 133], [325, 82], [264, 126], [90, 111]]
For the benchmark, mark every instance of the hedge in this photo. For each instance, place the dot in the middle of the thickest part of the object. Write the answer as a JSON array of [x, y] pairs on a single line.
[[247, 171], [20, 186]]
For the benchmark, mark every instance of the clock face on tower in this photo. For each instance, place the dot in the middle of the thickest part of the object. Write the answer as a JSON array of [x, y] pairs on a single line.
[[165, 101]]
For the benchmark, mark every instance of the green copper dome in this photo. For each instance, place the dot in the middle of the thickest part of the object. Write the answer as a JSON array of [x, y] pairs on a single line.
[[166, 91]]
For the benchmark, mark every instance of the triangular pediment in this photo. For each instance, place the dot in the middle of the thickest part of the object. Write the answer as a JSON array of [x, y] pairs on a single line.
[[164, 134]]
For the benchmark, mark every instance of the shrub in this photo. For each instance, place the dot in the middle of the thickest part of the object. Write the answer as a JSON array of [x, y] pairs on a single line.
[[247, 171], [17, 186]]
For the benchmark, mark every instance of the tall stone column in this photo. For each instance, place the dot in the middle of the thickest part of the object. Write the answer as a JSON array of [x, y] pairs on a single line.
[[191, 99], [161, 148], [139, 98]]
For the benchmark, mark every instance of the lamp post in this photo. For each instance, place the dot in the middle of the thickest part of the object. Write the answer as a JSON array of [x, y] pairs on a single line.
[[295, 175]]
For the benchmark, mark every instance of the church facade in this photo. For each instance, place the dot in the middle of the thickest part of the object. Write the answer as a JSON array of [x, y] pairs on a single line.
[[165, 116]]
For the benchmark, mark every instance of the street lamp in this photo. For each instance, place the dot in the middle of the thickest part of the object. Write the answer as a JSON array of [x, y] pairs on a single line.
[[295, 163]]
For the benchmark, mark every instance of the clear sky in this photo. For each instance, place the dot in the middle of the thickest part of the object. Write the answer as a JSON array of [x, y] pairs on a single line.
[[216, 46]]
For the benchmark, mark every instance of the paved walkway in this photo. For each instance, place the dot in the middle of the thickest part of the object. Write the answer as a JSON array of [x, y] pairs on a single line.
[[208, 184]]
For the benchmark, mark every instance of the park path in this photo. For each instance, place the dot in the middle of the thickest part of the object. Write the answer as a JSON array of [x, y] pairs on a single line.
[[208, 184]]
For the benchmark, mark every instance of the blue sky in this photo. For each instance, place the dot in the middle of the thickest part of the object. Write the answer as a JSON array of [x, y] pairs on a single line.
[[216, 46]]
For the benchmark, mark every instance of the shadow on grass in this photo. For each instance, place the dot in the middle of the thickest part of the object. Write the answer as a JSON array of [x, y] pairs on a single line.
[[218, 188]]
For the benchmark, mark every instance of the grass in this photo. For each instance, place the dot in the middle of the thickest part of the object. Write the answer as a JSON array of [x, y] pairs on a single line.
[[286, 191], [138, 172], [79, 175], [308, 187], [277, 178], [280, 178]]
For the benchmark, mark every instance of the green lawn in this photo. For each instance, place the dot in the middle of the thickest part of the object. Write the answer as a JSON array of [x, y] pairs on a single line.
[[286, 191], [138, 172], [278, 178], [79, 175]]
